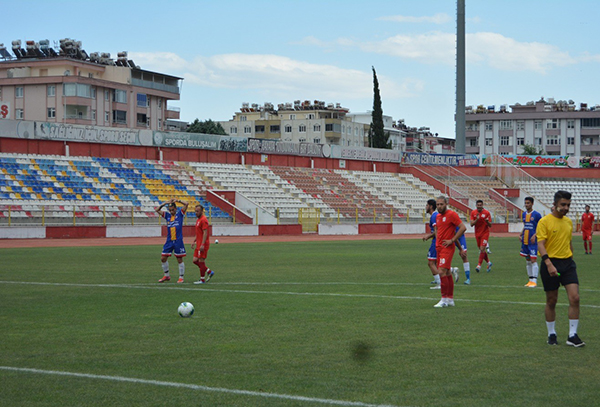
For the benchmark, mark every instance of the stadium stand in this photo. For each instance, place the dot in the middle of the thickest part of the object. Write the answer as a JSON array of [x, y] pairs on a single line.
[[89, 187]]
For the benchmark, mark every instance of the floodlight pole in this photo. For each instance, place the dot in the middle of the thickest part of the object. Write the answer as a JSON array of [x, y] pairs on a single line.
[[460, 78]]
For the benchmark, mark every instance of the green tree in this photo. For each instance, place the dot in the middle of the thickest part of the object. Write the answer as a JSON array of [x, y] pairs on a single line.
[[206, 127], [530, 149], [377, 136]]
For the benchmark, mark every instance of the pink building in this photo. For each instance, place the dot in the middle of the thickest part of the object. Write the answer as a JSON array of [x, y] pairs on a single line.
[[68, 86]]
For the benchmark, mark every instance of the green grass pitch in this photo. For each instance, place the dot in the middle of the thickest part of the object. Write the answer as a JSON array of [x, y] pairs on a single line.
[[347, 323]]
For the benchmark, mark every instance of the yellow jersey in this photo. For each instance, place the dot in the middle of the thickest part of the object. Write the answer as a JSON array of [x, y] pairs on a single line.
[[557, 234]]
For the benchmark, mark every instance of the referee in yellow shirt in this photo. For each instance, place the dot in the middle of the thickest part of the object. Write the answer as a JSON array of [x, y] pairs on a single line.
[[554, 233]]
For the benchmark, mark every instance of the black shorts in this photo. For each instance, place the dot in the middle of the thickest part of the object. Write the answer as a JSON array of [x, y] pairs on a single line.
[[567, 270]]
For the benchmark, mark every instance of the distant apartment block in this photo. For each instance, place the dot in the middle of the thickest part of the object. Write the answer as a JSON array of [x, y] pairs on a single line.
[[66, 85], [301, 122], [556, 127]]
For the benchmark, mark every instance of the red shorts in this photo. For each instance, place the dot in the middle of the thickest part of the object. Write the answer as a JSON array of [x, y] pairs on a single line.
[[482, 240], [444, 256], [587, 235], [201, 254]]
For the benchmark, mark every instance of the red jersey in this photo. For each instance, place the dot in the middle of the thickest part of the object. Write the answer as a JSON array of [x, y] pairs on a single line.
[[481, 226], [201, 226], [587, 220], [445, 225]]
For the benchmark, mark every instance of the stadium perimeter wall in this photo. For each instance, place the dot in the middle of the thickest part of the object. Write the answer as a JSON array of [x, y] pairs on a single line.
[[83, 232]]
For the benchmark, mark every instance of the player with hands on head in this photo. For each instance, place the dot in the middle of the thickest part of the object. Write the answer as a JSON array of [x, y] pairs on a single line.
[[174, 244]]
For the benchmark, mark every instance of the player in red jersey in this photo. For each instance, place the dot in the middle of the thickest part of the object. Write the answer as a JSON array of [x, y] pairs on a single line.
[[200, 252], [482, 220], [587, 229], [447, 235]]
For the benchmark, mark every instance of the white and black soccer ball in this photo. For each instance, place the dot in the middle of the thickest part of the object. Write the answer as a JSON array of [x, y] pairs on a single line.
[[217, 241], [186, 309]]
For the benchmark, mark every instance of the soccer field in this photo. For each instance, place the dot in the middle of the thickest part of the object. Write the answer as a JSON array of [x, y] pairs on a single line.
[[342, 323]]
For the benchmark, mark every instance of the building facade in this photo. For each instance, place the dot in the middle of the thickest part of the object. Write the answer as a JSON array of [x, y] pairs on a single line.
[[553, 127], [68, 86], [397, 136], [301, 122]]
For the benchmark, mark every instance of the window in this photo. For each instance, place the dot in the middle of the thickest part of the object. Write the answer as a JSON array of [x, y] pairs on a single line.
[[571, 141], [537, 125], [472, 142], [93, 93], [142, 100], [489, 142], [489, 126], [159, 122], [302, 140], [505, 140], [19, 92], [106, 95], [311, 116], [570, 124], [590, 122], [259, 129], [247, 130], [538, 141], [520, 125], [288, 128], [106, 116], [292, 117], [159, 102], [472, 126], [142, 119], [119, 116], [243, 118], [119, 96], [328, 126], [51, 113], [553, 140], [275, 128], [552, 124], [302, 128], [19, 114], [506, 125], [51, 91], [233, 130], [77, 89], [520, 141], [317, 128], [316, 140], [94, 115]]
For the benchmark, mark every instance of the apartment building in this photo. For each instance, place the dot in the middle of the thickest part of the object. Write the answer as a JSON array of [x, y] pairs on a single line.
[[66, 85], [555, 127], [301, 122]]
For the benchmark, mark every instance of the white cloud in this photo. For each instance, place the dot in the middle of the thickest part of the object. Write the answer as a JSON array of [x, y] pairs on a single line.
[[439, 18], [276, 76], [492, 49]]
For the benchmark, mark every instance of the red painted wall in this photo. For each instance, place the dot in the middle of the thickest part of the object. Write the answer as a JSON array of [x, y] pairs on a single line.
[[75, 232], [270, 230], [375, 228]]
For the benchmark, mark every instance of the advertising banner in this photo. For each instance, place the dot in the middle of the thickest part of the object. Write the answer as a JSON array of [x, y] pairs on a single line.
[[452, 160], [186, 140], [92, 134], [365, 154], [5, 111]]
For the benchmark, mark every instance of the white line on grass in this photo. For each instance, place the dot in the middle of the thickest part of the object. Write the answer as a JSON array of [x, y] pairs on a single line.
[[195, 387], [206, 289]]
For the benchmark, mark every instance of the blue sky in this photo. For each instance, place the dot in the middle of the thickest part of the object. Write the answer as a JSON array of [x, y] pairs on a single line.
[[230, 52]]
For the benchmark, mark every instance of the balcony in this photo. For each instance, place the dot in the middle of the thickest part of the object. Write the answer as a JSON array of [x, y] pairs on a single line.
[[155, 85]]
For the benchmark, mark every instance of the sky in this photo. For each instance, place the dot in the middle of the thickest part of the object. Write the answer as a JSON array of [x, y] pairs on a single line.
[[231, 52]]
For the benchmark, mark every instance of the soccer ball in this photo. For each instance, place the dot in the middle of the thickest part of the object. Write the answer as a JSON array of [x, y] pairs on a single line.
[[217, 241], [186, 309]]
